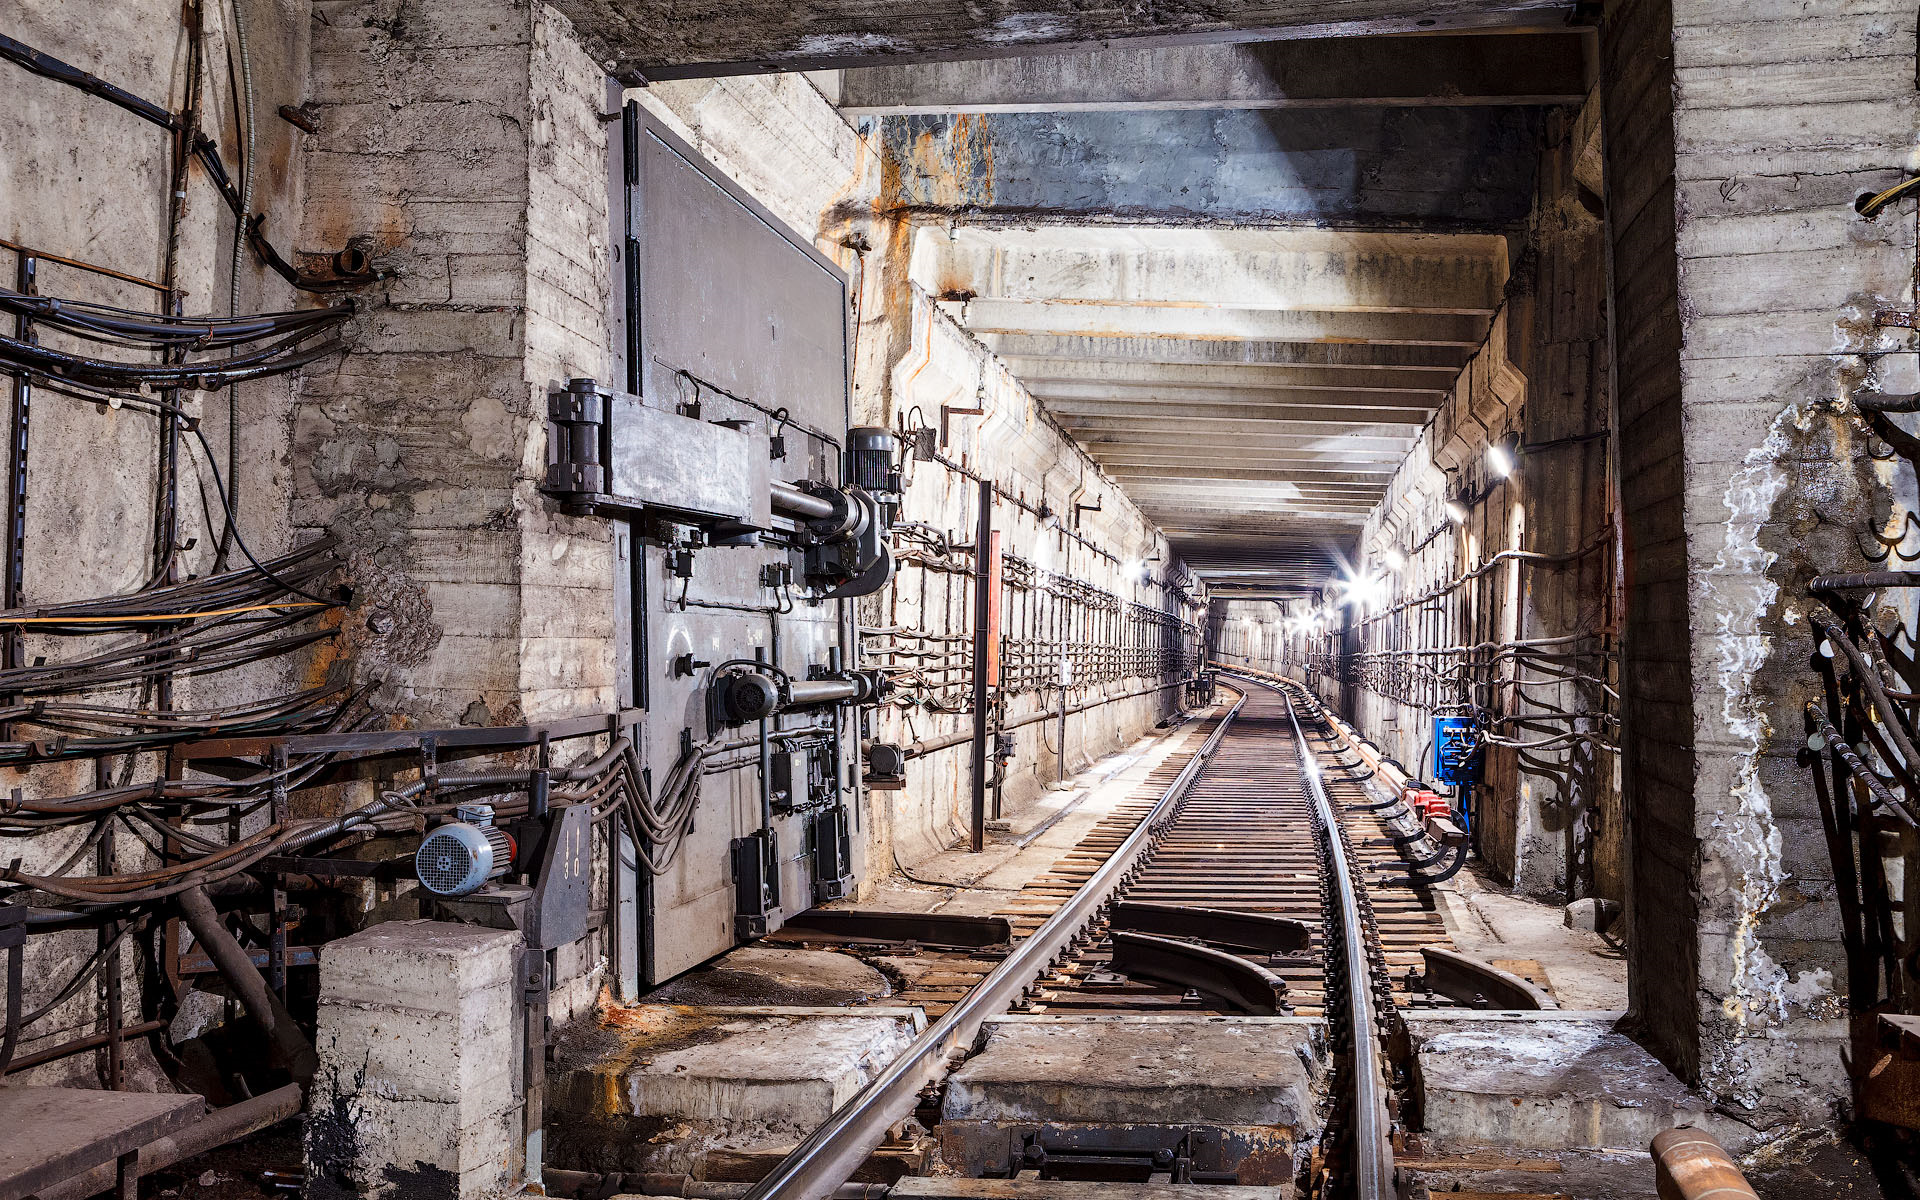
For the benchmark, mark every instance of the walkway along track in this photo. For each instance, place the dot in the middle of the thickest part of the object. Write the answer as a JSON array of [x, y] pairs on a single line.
[[1245, 825]]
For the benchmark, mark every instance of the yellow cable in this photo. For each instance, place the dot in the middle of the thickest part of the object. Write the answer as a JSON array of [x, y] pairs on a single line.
[[1871, 206], [218, 612]]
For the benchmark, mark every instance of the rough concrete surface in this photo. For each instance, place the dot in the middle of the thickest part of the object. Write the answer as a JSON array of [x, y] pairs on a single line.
[[651, 1087], [417, 1083], [764, 975], [1550, 1082], [1122, 1070]]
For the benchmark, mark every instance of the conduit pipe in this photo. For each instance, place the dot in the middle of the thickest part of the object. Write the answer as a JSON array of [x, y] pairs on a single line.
[[291, 1050], [1690, 1165]]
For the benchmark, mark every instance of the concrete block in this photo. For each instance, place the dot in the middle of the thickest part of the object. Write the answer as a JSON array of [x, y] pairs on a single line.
[[417, 1087], [412, 1055], [1593, 914], [779, 1068], [1126, 1070], [432, 966], [1546, 1084], [743, 1078]]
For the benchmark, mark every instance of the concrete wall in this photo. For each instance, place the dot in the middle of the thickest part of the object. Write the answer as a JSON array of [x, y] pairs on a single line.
[[88, 181], [464, 141], [1656, 694], [1778, 278]]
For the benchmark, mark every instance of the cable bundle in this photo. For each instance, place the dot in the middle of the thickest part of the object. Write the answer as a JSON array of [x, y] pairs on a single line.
[[256, 346]]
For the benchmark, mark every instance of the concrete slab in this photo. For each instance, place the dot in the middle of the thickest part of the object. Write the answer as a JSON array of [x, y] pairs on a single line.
[[1590, 1175], [773, 975], [1583, 969], [652, 1087], [1238, 1091], [1125, 1070], [1548, 1082]]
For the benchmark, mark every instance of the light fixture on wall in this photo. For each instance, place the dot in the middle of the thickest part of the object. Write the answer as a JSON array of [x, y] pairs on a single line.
[[1499, 460], [1456, 511], [1394, 560]]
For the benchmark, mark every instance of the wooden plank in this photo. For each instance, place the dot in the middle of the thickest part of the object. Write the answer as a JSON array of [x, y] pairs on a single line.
[[51, 1134]]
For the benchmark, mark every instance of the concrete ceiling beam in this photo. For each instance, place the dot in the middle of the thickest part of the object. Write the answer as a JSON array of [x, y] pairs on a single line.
[[1441, 170], [1037, 347], [1064, 396], [641, 40], [1181, 448], [1295, 270], [1169, 411], [1041, 371], [1224, 323], [1378, 470], [1467, 69], [1306, 478], [1330, 435]]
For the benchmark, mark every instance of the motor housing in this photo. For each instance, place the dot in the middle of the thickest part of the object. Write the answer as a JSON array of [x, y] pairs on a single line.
[[464, 855]]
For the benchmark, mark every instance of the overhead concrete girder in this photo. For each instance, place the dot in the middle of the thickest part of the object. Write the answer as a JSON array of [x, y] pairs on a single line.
[[1214, 352], [1436, 169], [1328, 434], [1219, 324], [1321, 270], [1164, 411], [1166, 393], [1175, 441], [1280, 497], [1197, 455], [1454, 70], [1316, 482], [640, 40], [1040, 371]]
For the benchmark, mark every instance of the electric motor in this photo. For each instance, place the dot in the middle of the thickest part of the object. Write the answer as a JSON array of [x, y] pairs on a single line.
[[464, 855]]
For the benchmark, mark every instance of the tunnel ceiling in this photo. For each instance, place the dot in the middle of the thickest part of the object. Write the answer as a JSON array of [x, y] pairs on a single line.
[[1243, 277], [676, 39], [1253, 390]]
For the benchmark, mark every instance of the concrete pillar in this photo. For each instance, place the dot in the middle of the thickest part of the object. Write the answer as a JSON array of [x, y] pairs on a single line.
[[462, 140], [1746, 287], [417, 1093]]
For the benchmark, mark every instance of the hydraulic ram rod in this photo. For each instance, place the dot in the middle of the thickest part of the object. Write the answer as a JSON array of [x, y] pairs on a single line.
[[829, 1157]]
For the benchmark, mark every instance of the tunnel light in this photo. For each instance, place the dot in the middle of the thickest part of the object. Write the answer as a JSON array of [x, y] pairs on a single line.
[[1395, 560], [1499, 460], [1364, 592], [1456, 512]]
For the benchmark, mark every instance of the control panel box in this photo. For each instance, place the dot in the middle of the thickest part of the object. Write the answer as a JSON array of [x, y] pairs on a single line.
[[1456, 751]]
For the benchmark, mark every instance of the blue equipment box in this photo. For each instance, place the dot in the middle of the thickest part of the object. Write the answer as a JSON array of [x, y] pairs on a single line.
[[1456, 751]]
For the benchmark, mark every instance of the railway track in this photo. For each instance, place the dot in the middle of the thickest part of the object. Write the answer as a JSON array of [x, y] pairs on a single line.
[[1246, 875]]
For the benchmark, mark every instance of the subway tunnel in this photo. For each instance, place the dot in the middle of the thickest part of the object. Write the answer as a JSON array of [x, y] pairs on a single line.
[[1015, 601]]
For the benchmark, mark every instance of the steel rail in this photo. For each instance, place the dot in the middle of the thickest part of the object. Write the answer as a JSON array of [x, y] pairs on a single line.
[[833, 1152], [1372, 1128]]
